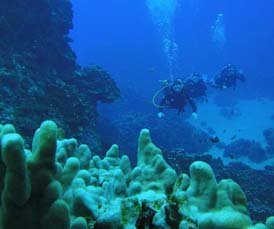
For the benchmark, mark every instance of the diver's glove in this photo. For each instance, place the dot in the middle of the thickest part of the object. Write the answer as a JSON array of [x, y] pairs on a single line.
[[194, 115], [160, 115]]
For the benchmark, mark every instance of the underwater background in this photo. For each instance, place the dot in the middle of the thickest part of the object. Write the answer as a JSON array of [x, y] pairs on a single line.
[[130, 40], [124, 29], [107, 159], [133, 41]]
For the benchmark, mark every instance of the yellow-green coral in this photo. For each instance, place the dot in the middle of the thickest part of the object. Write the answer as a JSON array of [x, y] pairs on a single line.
[[107, 193]]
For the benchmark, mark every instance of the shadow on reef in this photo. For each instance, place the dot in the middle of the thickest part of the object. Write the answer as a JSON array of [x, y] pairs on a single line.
[[253, 150], [58, 184], [125, 128], [39, 76], [257, 184]]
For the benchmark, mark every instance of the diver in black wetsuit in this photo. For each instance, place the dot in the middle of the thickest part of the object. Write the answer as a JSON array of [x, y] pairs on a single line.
[[195, 86], [227, 77], [176, 97]]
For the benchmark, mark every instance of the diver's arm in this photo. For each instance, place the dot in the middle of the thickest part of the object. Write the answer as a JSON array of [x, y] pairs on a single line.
[[160, 113], [216, 77], [234, 84], [193, 105], [241, 77], [213, 84], [194, 108], [165, 101], [161, 109], [162, 104]]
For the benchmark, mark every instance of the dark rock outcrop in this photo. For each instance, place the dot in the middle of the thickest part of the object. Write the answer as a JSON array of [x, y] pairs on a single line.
[[269, 137], [246, 148], [37, 66]]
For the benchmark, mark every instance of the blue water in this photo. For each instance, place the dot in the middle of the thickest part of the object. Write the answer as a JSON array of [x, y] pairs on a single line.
[[120, 36]]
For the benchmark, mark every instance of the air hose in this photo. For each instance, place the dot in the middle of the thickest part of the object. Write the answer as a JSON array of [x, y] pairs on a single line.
[[156, 95]]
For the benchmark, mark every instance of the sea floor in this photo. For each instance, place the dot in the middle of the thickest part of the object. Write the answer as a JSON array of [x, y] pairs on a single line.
[[247, 119]]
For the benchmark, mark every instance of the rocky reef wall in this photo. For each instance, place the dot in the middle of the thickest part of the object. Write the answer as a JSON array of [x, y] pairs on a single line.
[[39, 76]]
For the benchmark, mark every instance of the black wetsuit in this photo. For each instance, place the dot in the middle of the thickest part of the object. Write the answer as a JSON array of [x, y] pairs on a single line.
[[178, 101], [228, 77], [195, 87]]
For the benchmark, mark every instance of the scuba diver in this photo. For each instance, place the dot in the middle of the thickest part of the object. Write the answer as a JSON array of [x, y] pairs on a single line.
[[227, 77], [195, 86], [175, 97]]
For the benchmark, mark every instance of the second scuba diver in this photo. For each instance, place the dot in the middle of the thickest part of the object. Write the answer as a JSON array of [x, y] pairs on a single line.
[[227, 77]]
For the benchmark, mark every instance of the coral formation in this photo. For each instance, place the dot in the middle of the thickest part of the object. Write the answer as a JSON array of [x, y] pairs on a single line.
[[259, 205], [53, 186], [31, 197]]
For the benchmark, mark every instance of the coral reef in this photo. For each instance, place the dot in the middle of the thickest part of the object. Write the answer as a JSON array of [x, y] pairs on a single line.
[[31, 197], [39, 74], [246, 148], [259, 204], [53, 186]]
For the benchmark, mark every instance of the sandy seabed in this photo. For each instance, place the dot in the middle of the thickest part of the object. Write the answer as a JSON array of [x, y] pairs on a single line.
[[251, 118]]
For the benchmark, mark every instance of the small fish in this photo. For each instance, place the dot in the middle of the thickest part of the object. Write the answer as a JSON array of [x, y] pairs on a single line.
[[214, 139], [233, 137]]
